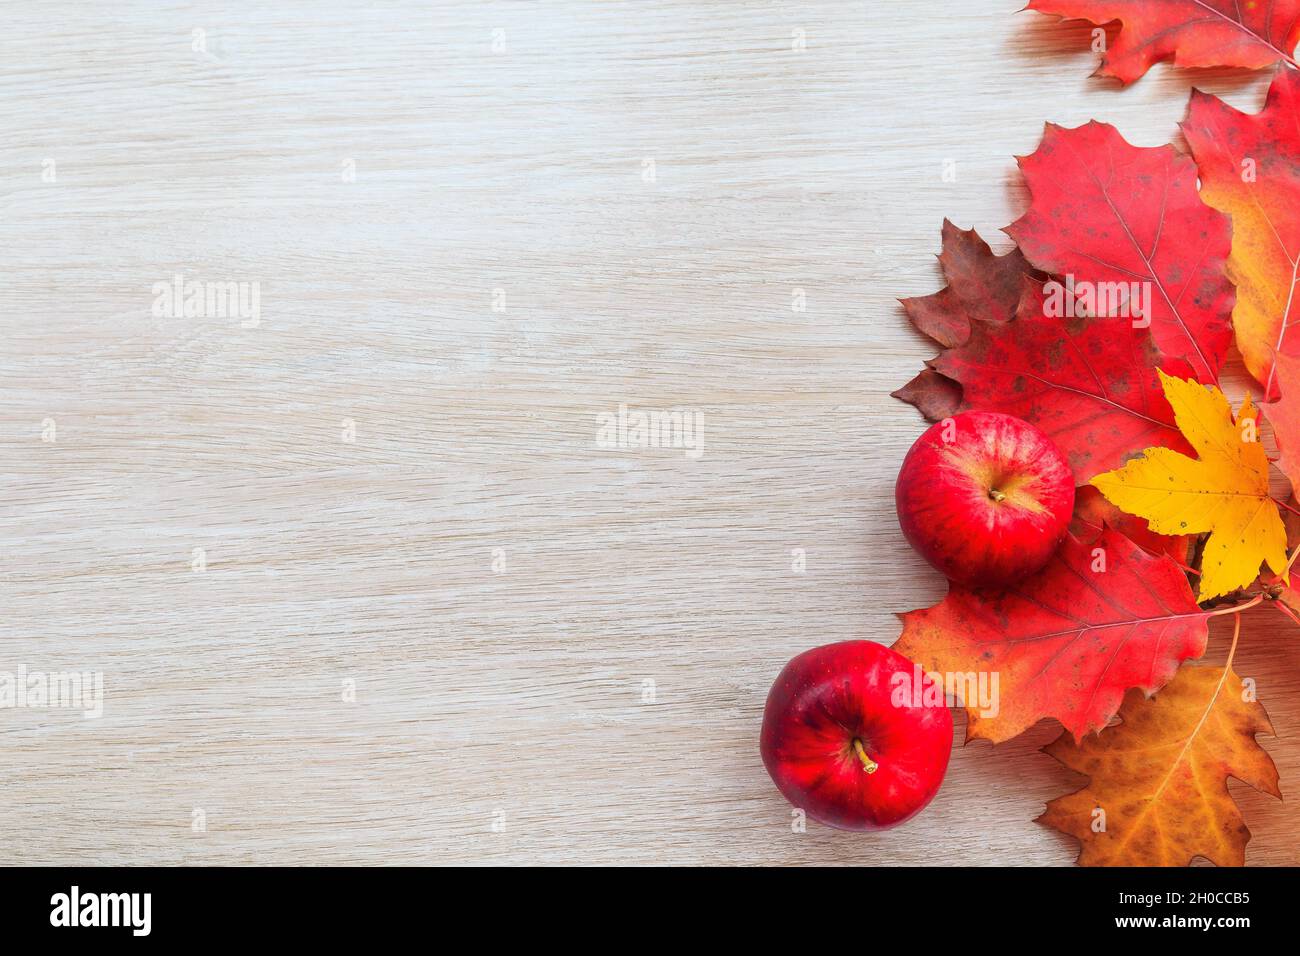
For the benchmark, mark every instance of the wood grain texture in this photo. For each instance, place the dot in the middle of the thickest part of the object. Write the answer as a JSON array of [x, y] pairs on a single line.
[[482, 698]]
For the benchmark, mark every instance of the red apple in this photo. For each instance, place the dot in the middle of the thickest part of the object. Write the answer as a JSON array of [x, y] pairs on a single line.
[[985, 498], [848, 738]]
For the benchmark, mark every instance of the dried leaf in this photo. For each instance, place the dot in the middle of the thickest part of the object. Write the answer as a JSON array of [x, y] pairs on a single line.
[[981, 287], [936, 396], [1161, 776]]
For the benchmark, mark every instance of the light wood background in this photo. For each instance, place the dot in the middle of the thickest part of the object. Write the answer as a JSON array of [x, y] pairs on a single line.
[[499, 717]]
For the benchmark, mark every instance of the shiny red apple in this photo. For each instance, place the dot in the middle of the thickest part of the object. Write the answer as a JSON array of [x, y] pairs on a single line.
[[853, 738], [985, 498]]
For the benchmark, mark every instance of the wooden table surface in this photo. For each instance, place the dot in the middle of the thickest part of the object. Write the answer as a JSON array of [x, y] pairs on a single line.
[[432, 618]]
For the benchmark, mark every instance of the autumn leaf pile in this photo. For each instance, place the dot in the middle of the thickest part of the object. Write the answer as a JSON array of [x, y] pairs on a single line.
[[1174, 522]]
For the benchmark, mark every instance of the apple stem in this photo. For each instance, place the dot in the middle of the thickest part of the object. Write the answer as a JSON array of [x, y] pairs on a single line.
[[869, 765], [996, 495]]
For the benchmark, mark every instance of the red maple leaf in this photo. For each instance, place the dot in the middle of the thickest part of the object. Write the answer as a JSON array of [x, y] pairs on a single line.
[[1089, 383], [1126, 224], [1093, 514], [1066, 642], [1246, 33]]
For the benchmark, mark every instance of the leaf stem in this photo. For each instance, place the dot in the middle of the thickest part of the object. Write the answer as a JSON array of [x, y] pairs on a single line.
[[1236, 633], [1286, 609], [1290, 561], [1286, 506], [1236, 608]]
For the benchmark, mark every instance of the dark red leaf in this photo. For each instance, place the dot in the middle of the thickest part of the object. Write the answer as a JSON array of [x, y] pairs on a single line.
[[981, 286], [936, 396]]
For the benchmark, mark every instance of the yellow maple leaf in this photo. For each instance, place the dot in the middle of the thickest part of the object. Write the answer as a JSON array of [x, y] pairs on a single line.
[[1223, 491]]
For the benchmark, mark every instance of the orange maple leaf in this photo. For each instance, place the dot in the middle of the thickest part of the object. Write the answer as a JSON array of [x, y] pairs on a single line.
[[1159, 789], [1250, 169]]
